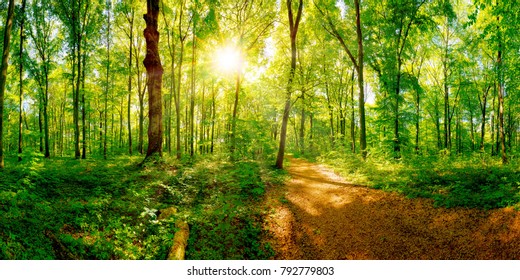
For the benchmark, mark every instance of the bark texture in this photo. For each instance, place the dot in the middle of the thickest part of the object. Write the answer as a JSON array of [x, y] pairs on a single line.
[[3, 70], [154, 70]]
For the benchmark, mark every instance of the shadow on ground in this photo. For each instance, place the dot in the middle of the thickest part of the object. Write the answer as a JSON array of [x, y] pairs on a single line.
[[323, 217]]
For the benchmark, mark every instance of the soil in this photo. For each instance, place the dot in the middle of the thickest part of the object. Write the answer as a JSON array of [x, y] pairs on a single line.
[[318, 215]]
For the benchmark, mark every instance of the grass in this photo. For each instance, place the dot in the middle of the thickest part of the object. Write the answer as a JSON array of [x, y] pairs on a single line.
[[96, 209], [476, 181]]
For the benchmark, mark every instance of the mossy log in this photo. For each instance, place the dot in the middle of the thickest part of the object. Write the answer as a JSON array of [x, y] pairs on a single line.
[[180, 239]]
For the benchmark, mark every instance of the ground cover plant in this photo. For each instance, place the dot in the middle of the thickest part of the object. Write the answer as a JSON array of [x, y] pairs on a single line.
[[95, 209]]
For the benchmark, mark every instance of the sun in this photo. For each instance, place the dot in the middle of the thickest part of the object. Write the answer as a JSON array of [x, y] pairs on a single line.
[[228, 59]]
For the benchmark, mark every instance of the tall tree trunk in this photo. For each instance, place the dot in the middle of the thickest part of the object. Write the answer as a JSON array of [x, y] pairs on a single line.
[[472, 127], [107, 90], [397, 144], [154, 70], [192, 97], [141, 90], [234, 116], [45, 115], [77, 152], [40, 125], [129, 107], [331, 116], [202, 145], [352, 117], [302, 124], [293, 28], [417, 120], [483, 106], [20, 125], [213, 112], [501, 101], [83, 110], [177, 95], [493, 113], [3, 74], [361, 83]]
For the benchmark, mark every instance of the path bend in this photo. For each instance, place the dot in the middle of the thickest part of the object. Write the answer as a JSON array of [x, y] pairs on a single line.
[[318, 215]]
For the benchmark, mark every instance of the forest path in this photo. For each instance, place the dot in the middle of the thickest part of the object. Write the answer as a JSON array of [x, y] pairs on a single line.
[[317, 215]]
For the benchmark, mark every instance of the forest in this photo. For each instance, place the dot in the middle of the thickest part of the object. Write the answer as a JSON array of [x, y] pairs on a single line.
[[258, 129]]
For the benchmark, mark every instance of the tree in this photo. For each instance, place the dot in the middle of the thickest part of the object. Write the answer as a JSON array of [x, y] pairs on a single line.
[[20, 104], [78, 16], [358, 61], [3, 73], [44, 42], [293, 32], [154, 71], [392, 24]]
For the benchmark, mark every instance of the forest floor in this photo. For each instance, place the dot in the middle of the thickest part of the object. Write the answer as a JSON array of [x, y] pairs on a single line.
[[318, 215]]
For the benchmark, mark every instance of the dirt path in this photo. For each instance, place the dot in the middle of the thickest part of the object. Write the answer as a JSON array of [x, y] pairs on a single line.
[[318, 215]]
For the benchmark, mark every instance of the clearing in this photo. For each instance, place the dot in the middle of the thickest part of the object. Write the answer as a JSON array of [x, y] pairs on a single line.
[[317, 215]]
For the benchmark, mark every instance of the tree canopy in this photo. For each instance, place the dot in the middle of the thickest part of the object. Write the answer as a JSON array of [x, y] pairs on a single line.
[[364, 77]]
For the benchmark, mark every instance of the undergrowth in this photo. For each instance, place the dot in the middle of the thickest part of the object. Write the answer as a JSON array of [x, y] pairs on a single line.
[[96, 209], [477, 181]]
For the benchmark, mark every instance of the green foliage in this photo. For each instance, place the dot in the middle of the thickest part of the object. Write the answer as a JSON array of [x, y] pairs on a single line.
[[473, 182], [92, 209], [221, 203]]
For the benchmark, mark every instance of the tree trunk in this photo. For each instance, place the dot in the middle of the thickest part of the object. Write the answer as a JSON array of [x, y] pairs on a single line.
[[177, 95], [302, 124], [45, 115], [293, 28], [20, 125], [77, 152], [361, 82], [483, 105], [3, 74], [397, 144], [417, 120], [83, 110], [192, 97], [107, 90], [202, 121], [212, 116], [129, 107], [501, 105], [352, 117], [234, 116], [493, 121], [154, 70]]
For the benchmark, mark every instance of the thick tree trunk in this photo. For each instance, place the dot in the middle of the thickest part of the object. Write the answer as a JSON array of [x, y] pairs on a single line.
[[154, 70], [3, 74]]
